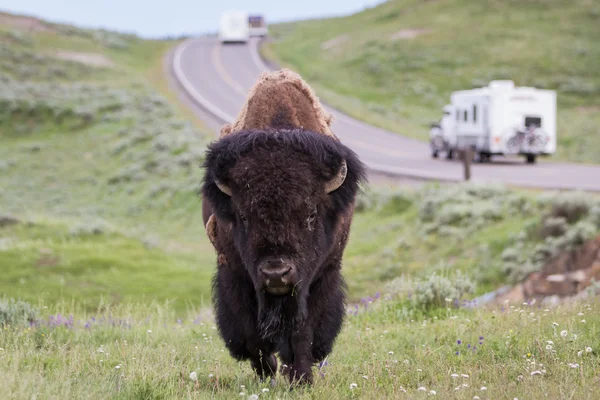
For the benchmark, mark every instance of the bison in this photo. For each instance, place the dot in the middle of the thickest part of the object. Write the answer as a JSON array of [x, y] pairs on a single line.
[[278, 199]]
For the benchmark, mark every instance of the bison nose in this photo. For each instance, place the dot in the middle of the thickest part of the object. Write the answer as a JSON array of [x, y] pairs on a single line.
[[275, 272]]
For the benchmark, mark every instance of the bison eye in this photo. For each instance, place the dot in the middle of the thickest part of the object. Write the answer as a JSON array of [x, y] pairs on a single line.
[[311, 217]]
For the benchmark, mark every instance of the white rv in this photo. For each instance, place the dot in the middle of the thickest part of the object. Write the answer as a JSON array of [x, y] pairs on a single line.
[[234, 27], [499, 119]]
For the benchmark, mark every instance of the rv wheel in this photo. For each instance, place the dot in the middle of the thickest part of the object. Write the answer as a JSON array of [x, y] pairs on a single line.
[[484, 157], [434, 153], [530, 158], [450, 154]]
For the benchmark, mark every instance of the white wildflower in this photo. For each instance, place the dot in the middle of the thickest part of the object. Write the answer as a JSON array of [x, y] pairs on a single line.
[[253, 397], [573, 365], [432, 392], [149, 331], [464, 375], [454, 375], [583, 321], [563, 333], [536, 373], [580, 314], [194, 376], [210, 375], [365, 377], [588, 349], [265, 390], [580, 353], [483, 388], [391, 353], [422, 389], [353, 386], [118, 366], [476, 398]]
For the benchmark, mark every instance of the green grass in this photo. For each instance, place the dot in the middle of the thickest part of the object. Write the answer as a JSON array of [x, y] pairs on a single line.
[[359, 65], [141, 351], [50, 262]]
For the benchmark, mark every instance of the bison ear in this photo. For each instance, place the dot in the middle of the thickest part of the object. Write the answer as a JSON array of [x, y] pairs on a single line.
[[211, 230], [339, 178]]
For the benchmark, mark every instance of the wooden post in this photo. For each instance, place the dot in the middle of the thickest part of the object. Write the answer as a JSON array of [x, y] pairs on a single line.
[[467, 157]]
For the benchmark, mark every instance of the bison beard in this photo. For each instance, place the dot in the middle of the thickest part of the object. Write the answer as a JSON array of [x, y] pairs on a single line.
[[279, 205]]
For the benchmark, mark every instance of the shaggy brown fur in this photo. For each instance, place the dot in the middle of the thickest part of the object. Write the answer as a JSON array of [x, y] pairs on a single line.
[[281, 100], [267, 191]]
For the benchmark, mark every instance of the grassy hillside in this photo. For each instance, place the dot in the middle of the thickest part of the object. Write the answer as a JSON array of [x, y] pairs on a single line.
[[101, 238], [102, 171], [99, 167], [395, 65]]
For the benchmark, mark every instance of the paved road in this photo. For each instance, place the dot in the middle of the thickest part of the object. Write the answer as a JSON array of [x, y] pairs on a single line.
[[216, 78]]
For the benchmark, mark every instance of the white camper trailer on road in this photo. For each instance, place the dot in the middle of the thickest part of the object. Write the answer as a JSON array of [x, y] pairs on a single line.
[[499, 119], [234, 27]]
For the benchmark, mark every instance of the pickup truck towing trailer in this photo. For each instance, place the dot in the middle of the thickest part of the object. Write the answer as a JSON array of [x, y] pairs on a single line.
[[499, 119]]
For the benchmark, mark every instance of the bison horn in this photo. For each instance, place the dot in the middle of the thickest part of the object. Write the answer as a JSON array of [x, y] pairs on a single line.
[[224, 188], [338, 180]]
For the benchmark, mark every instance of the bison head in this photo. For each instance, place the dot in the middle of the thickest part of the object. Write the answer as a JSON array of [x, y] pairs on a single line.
[[281, 196]]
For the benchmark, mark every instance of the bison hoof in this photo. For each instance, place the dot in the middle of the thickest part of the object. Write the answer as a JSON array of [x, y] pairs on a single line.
[[265, 367], [300, 377]]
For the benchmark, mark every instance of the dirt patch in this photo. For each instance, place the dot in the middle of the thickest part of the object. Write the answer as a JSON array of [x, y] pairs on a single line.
[[566, 276], [335, 42], [411, 33], [588, 109], [21, 22], [92, 59]]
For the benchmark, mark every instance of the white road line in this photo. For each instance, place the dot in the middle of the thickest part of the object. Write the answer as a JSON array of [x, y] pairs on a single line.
[[217, 62], [190, 89]]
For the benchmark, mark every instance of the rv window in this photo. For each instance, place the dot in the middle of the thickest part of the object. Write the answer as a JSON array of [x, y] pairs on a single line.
[[533, 121], [457, 115], [465, 115], [474, 112]]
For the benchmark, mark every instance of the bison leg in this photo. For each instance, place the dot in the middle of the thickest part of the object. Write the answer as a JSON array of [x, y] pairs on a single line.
[[313, 339], [329, 311], [235, 315], [296, 356]]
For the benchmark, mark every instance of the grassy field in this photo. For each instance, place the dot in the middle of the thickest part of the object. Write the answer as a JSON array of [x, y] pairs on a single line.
[[395, 65], [101, 238], [142, 351]]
